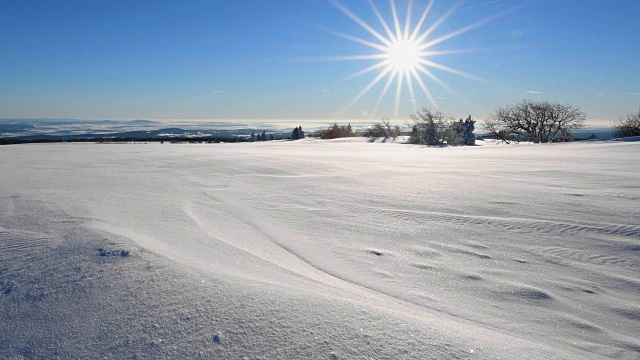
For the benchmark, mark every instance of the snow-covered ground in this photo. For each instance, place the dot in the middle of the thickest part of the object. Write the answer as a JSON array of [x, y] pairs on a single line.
[[320, 249]]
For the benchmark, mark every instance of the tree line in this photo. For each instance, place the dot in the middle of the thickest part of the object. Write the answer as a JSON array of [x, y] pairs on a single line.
[[528, 120]]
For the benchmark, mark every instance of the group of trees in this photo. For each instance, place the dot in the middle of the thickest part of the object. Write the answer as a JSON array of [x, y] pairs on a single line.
[[297, 133], [260, 137], [535, 121], [336, 131], [435, 128]]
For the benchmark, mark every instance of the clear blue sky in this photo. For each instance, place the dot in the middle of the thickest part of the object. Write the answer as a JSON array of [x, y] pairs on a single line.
[[259, 60]]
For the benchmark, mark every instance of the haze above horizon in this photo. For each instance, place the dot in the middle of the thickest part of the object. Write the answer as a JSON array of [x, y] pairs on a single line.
[[314, 60]]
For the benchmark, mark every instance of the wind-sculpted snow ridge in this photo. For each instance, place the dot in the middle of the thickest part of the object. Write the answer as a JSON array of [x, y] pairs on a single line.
[[320, 249]]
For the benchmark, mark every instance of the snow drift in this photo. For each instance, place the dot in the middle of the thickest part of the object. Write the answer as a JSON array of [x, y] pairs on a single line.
[[320, 249]]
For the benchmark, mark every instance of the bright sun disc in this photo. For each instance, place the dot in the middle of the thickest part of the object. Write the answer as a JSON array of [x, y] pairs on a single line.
[[404, 55]]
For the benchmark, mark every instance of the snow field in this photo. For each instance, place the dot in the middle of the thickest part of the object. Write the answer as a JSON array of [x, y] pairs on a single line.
[[320, 249]]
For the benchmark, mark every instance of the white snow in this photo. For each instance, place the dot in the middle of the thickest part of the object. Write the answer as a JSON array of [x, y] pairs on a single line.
[[320, 249]]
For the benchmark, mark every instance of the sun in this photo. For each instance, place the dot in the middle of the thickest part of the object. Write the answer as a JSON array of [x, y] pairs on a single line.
[[405, 54]]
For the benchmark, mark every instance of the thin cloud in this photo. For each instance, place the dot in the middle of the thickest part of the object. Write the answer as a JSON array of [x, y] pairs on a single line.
[[599, 94], [217, 91], [634, 93], [495, 65], [557, 82], [440, 98], [483, 4], [533, 92], [410, 100]]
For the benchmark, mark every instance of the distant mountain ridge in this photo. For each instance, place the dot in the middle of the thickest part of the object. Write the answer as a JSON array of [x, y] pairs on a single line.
[[74, 121], [56, 130]]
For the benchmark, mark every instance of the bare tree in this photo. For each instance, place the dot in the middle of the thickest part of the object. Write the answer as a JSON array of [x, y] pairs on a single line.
[[495, 129], [375, 131], [536, 121], [392, 131], [383, 129], [629, 126]]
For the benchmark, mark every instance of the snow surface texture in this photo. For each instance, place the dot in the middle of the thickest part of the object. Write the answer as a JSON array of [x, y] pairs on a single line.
[[320, 249]]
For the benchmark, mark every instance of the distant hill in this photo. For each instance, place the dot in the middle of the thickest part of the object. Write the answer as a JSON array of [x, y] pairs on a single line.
[[47, 121], [54, 130], [143, 122]]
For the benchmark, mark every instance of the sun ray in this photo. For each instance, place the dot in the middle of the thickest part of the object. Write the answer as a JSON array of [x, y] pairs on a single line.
[[437, 23], [347, 58], [396, 109], [396, 21], [384, 92], [367, 88], [460, 31], [405, 53], [360, 22], [437, 80], [358, 40], [386, 27], [365, 71], [441, 83], [426, 11], [424, 88], [447, 52], [407, 23], [412, 95], [448, 69]]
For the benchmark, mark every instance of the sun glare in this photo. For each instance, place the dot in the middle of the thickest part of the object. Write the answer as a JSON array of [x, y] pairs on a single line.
[[405, 53]]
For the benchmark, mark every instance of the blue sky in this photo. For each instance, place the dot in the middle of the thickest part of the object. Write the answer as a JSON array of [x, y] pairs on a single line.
[[263, 60]]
